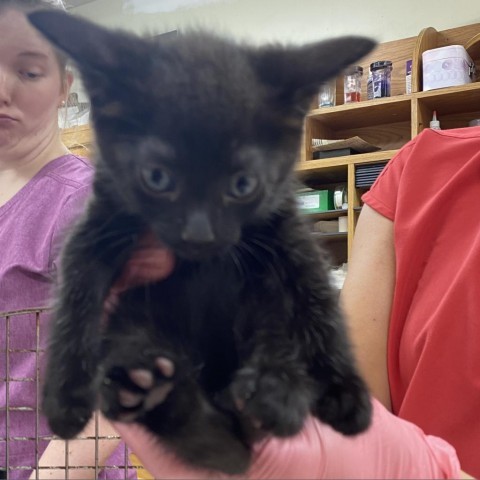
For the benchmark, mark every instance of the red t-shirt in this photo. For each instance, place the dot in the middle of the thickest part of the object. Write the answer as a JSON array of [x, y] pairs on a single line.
[[431, 191]]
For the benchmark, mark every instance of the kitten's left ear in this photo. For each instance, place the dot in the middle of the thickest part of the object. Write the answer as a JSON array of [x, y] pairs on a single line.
[[98, 52], [296, 72], [90, 45]]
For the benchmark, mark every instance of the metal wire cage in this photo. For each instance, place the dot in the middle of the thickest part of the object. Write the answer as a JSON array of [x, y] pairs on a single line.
[[24, 435]]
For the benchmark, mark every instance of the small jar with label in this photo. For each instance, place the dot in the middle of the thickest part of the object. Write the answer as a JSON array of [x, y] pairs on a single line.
[[352, 84], [380, 80]]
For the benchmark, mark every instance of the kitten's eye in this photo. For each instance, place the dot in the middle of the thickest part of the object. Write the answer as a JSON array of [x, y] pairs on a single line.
[[243, 186], [158, 180]]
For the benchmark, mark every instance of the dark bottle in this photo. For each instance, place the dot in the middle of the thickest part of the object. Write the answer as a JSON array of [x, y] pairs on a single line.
[[381, 79]]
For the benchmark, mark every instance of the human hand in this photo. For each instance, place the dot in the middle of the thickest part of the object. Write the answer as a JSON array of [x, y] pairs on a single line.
[[390, 448], [287, 458]]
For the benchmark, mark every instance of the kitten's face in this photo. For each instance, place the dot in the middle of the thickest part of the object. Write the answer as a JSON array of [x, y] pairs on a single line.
[[197, 135], [209, 152], [197, 206]]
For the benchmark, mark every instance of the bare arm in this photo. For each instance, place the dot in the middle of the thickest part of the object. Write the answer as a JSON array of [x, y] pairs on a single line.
[[82, 452], [367, 298]]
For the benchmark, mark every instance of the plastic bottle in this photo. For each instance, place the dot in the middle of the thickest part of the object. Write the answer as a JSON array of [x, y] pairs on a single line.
[[434, 123]]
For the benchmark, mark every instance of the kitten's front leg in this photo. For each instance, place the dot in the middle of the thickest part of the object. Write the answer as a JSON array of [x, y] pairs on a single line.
[[342, 400], [272, 391], [147, 382], [92, 258]]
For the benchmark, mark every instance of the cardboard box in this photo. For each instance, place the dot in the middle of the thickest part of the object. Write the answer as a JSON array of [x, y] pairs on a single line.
[[315, 201]]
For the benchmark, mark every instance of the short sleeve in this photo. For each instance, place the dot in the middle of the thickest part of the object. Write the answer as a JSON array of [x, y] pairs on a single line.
[[382, 196]]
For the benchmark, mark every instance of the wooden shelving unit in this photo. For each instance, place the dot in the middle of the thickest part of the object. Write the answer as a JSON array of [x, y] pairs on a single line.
[[388, 122]]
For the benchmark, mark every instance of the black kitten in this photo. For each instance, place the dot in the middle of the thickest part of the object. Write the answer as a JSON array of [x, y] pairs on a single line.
[[197, 140]]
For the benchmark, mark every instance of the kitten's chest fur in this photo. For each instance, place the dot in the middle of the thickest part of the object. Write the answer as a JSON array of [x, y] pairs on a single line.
[[207, 311]]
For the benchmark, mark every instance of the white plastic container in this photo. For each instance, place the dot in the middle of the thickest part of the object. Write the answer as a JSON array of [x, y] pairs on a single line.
[[447, 67]]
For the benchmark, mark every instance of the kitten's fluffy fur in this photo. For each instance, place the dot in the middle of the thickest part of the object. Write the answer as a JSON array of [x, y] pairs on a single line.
[[197, 141]]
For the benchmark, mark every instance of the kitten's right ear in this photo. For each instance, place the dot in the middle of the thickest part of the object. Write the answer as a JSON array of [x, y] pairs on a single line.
[[294, 73]]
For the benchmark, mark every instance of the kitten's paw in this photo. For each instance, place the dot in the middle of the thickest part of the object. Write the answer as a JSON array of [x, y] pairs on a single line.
[[346, 406], [128, 393], [272, 398], [67, 413]]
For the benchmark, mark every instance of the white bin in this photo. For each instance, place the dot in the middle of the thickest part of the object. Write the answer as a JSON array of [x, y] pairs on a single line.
[[447, 67]]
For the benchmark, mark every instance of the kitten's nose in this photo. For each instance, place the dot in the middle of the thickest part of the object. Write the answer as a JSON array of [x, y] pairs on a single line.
[[198, 228]]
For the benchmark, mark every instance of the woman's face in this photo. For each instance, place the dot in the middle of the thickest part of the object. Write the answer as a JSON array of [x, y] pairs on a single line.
[[30, 85]]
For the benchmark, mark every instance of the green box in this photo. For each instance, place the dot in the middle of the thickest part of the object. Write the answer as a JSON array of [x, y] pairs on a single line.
[[315, 201]]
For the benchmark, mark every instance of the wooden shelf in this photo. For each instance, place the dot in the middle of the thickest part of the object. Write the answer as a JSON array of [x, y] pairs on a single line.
[[462, 94], [336, 236], [328, 215], [455, 106], [369, 112], [452, 100], [332, 163], [389, 122]]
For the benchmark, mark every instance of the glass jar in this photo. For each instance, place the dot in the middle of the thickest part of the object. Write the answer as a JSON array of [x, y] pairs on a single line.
[[381, 73], [352, 84], [327, 93]]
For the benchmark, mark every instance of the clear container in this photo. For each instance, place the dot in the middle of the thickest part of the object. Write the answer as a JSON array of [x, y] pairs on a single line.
[[327, 93], [352, 84], [381, 79]]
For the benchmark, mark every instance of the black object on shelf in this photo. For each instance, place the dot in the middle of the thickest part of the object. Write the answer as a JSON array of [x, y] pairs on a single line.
[[365, 175], [333, 153]]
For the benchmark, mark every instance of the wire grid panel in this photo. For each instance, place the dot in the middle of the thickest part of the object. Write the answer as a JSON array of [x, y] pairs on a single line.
[[27, 447]]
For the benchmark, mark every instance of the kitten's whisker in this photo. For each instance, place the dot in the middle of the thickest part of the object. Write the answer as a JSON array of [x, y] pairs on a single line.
[[264, 246], [235, 258], [255, 252]]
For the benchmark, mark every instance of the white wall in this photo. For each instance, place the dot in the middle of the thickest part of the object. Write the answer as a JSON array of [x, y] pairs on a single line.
[[288, 20]]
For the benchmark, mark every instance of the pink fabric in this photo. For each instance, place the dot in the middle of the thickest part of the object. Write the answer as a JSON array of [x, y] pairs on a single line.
[[431, 191], [32, 226], [391, 448]]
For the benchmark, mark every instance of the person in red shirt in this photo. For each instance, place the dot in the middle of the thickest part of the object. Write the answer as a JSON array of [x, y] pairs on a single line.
[[412, 294]]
